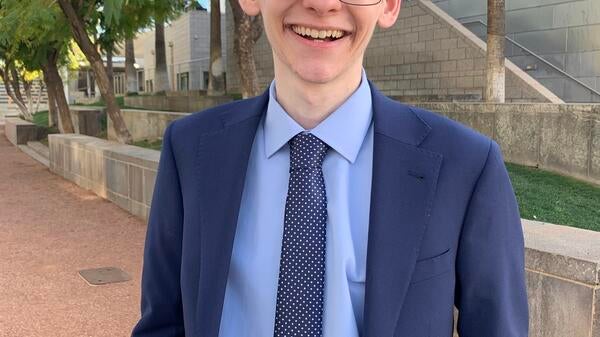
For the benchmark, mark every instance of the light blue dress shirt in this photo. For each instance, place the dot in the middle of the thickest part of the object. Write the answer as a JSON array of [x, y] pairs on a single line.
[[251, 292]]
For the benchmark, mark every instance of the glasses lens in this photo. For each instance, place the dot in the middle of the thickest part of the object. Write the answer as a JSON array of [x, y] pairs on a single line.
[[361, 2]]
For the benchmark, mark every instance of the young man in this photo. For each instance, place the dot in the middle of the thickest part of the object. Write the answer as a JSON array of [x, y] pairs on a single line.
[[323, 208]]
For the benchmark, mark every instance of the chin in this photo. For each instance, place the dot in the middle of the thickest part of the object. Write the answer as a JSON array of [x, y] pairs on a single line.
[[317, 73]]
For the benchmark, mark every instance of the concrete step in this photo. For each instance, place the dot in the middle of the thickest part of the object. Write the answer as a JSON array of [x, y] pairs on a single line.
[[35, 155], [40, 148]]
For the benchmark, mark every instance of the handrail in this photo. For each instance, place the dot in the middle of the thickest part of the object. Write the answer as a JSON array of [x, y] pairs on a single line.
[[539, 58]]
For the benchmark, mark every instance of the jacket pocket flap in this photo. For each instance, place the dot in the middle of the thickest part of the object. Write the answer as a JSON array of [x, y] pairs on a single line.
[[433, 266]]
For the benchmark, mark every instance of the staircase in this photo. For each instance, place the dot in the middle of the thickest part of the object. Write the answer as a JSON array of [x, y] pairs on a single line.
[[561, 83], [8, 108]]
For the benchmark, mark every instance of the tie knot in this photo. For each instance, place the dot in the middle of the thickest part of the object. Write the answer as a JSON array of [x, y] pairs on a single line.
[[307, 150]]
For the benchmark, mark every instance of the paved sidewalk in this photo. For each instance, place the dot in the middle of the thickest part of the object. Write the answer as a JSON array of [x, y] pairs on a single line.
[[49, 229]]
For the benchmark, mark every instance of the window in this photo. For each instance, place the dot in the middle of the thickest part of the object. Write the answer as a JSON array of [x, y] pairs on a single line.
[[118, 84], [183, 81], [140, 80]]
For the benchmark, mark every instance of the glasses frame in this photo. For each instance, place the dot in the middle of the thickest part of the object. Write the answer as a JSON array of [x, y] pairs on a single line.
[[361, 5]]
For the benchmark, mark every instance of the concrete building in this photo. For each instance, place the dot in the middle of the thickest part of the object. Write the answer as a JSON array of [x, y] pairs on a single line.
[[430, 56], [426, 56], [83, 86], [563, 33], [187, 41]]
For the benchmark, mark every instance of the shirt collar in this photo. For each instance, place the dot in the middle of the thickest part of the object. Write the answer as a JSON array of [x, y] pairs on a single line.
[[343, 130]]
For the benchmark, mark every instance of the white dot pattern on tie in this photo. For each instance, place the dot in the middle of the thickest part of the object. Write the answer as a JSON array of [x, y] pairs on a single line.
[[301, 283]]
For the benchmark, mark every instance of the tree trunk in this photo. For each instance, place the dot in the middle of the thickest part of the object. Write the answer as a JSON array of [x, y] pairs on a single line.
[[55, 83], [130, 73], [107, 91], [39, 96], [16, 83], [216, 77], [247, 32], [7, 86], [56, 114], [109, 67], [161, 76], [27, 89], [52, 113], [495, 71]]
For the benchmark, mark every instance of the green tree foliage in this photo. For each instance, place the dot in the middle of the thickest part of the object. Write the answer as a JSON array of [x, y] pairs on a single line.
[[34, 36], [29, 29], [122, 19], [100, 24]]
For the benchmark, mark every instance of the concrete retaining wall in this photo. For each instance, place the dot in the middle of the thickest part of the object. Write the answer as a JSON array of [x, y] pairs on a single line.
[[563, 138], [188, 103], [123, 174], [563, 280], [144, 124], [87, 120], [426, 55], [562, 263], [20, 132]]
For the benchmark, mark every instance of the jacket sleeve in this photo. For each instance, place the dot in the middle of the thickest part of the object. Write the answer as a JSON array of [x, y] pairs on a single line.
[[491, 294], [161, 305]]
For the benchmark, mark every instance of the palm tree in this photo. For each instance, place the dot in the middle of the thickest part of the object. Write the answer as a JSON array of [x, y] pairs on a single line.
[[161, 77], [216, 79], [247, 32], [130, 73], [495, 84]]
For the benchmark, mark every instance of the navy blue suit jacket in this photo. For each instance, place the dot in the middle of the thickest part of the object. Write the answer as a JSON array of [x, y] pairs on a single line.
[[444, 226]]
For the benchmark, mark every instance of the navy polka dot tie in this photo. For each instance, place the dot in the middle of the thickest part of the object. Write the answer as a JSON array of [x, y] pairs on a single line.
[[301, 283]]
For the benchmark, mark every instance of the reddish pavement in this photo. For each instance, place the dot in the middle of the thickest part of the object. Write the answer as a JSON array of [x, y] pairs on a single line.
[[49, 230]]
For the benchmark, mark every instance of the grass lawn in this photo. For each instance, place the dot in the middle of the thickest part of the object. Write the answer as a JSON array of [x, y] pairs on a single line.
[[154, 145], [41, 119], [100, 102], [549, 197]]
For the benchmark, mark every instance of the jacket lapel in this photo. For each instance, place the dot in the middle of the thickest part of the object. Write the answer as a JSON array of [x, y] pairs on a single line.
[[403, 187], [222, 162]]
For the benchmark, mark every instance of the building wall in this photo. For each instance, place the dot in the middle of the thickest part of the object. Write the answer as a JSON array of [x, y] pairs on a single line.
[[564, 32], [426, 55], [262, 55], [190, 35]]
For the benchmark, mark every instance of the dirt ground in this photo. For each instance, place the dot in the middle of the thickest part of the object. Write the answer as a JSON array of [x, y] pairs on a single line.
[[49, 230]]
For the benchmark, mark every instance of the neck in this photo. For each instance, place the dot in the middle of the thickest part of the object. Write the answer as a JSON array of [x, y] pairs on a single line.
[[310, 103]]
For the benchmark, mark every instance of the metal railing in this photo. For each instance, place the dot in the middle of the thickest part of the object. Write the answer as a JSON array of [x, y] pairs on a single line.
[[564, 85]]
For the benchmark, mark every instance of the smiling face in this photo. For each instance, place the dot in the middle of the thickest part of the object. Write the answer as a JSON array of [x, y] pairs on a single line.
[[320, 41]]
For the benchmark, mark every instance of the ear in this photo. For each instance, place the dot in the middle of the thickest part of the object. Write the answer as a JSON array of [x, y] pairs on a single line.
[[250, 7], [391, 9]]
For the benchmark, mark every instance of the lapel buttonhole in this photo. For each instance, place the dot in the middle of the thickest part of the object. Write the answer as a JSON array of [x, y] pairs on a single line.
[[416, 174]]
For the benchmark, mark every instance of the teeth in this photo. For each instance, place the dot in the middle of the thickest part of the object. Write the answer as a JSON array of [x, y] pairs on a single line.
[[317, 34]]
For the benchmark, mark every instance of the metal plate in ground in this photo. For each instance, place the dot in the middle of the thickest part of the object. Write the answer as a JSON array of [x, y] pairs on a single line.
[[105, 275]]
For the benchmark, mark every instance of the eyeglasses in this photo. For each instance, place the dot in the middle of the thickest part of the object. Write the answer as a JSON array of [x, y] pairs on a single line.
[[361, 2]]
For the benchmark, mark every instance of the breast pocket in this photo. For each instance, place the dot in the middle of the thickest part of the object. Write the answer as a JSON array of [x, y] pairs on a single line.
[[432, 267]]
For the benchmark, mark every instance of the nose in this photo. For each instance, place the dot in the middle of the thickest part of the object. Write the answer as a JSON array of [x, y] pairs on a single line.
[[322, 7]]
